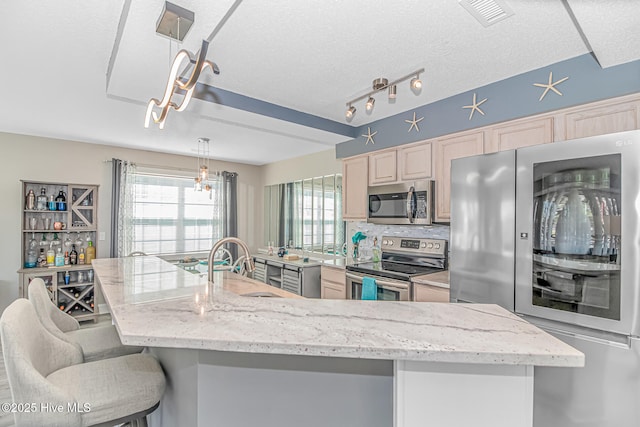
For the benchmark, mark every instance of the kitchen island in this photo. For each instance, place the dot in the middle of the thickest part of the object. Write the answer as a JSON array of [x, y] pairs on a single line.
[[235, 359]]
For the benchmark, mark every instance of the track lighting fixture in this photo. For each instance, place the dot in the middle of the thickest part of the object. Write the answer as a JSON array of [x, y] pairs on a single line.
[[416, 83], [370, 103], [351, 111], [392, 92], [382, 83]]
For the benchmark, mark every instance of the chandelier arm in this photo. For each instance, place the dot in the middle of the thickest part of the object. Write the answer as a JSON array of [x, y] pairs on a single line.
[[197, 69]]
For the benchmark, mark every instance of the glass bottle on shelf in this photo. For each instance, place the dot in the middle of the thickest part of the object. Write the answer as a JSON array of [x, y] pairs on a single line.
[[41, 200], [73, 256], [52, 204], [59, 259], [51, 257], [30, 203], [91, 252], [66, 258], [61, 201], [32, 259], [42, 259], [81, 256]]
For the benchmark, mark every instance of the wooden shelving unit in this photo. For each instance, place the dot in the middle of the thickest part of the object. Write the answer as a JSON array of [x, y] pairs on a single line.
[[80, 222]]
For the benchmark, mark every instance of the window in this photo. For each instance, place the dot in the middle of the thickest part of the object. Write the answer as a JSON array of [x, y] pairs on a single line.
[[169, 217], [306, 214]]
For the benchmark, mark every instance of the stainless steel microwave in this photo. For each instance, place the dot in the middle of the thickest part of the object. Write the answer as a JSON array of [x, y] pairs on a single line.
[[406, 203]]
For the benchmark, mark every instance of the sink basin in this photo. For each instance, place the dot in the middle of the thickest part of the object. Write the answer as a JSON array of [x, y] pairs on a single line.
[[261, 295]]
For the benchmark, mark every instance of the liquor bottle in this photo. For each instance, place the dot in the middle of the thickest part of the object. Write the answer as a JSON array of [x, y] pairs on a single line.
[[41, 200], [31, 201], [31, 260], [81, 256], [51, 257], [52, 203], [73, 256], [62, 307], [66, 258], [61, 201], [91, 253], [42, 258], [59, 259]]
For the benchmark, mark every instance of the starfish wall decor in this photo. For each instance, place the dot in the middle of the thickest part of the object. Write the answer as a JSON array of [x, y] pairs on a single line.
[[550, 86], [369, 136], [475, 106], [414, 123]]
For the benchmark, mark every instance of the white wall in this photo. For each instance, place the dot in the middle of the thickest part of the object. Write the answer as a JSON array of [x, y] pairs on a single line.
[[309, 166], [51, 160]]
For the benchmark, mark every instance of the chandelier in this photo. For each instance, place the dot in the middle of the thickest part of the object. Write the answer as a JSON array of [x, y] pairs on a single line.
[[202, 178], [186, 67]]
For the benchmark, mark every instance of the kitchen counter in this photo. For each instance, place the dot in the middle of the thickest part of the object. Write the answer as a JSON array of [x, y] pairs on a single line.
[[240, 360], [152, 304], [440, 279]]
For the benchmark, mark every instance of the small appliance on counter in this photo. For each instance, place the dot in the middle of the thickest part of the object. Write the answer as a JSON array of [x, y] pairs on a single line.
[[401, 259]]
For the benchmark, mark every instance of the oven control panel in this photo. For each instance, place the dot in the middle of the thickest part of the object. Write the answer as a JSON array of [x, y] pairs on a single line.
[[414, 245]]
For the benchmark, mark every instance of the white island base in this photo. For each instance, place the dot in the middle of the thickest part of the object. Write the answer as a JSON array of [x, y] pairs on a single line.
[[210, 388], [241, 361]]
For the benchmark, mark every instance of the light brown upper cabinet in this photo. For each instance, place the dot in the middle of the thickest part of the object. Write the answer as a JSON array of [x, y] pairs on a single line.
[[355, 177], [602, 119], [399, 165], [383, 167], [518, 135], [447, 149], [414, 162]]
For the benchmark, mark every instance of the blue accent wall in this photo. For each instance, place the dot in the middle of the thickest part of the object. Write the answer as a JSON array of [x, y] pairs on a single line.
[[507, 99]]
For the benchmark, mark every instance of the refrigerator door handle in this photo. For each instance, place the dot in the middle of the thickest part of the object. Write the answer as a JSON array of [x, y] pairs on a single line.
[[621, 341]]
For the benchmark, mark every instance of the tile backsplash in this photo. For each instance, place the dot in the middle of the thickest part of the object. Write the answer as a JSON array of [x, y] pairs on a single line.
[[379, 230]]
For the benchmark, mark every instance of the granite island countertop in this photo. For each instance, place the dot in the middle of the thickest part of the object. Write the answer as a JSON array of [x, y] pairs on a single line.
[[152, 303]]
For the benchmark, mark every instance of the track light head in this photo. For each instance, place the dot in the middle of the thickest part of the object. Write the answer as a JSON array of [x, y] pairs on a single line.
[[392, 92], [416, 83], [351, 111], [370, 103]]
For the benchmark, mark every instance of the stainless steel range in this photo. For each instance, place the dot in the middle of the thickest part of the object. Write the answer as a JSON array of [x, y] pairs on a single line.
[[402, 259]]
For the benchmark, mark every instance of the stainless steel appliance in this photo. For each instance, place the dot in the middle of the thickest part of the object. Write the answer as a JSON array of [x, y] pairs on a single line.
[[551, 232], [406, 203], [402, 258]]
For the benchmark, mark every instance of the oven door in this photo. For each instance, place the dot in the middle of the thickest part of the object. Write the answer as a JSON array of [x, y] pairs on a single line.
[[388, 289]]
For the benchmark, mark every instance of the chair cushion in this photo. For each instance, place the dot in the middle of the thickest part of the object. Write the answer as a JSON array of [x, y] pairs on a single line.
[[101, 342], [113, 388]]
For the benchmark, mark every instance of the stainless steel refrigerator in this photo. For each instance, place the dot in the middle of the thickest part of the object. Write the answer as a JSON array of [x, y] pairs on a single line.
[[552, 233]]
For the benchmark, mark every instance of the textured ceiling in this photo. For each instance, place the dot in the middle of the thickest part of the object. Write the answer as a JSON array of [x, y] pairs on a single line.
[[85, 70]]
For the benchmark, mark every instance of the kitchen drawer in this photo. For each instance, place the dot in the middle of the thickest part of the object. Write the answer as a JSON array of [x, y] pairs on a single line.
[[336, 275]]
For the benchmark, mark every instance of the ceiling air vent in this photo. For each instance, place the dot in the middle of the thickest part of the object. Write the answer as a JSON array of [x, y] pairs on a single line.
[[487, 12]]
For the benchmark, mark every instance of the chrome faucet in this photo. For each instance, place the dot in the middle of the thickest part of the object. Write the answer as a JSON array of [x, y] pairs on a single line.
[[248, 260]]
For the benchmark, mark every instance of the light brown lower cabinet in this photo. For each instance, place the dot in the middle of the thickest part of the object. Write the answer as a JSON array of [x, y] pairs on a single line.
[[333, 283], [428, 293]]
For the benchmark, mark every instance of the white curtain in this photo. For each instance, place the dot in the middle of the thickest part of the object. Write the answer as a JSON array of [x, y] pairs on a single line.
[[126, 209], [217, 194]]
